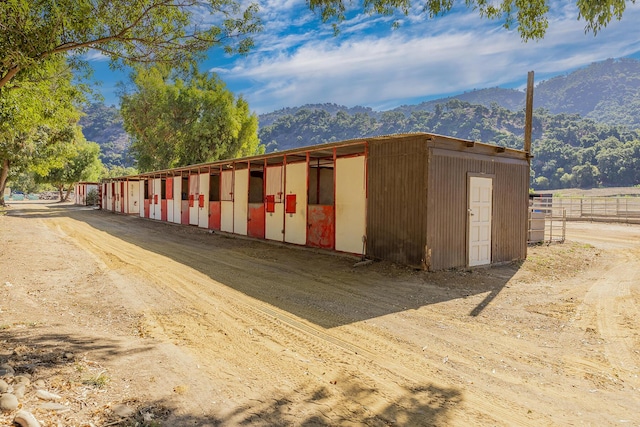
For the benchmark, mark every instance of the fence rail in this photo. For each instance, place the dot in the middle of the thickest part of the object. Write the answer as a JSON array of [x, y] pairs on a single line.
[[614, 209], [547, 224]]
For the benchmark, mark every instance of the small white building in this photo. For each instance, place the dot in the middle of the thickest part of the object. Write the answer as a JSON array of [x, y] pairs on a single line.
[[81, 191]]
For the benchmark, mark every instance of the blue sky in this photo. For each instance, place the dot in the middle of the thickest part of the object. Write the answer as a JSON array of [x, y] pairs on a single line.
[[298, 60]]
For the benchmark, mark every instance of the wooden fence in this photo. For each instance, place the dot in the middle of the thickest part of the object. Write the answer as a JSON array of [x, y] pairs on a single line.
[[609, 209]]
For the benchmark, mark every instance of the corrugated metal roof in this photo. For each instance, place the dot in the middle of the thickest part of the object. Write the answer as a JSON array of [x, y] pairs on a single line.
[[343, 148]]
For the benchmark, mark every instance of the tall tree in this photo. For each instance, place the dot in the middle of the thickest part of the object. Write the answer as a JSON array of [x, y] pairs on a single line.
[[76, 160], [36, 117], [180, 120], [130, 31], [528, 16]]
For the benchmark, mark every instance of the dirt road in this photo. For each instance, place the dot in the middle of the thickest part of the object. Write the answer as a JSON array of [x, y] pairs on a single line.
[[203, 329]]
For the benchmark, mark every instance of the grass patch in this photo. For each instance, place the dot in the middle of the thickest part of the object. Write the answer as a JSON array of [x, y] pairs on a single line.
[[99, 381]]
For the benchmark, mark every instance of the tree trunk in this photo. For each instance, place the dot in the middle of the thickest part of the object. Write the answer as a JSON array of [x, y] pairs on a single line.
[[60, 191], [66, 196], [4, 173]]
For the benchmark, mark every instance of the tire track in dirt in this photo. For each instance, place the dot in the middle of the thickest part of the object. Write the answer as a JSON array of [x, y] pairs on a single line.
[[612, 302], [372, 367], [304, 335]]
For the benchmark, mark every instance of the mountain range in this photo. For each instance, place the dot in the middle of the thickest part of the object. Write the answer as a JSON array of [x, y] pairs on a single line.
[[574, 112]]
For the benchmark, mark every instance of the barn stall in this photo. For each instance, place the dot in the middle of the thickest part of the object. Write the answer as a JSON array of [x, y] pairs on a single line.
[[81, 191], [424, 200]]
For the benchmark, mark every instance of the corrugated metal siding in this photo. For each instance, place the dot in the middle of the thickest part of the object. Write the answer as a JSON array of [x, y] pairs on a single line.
[[447, 205], [397, 196], [509, 236]]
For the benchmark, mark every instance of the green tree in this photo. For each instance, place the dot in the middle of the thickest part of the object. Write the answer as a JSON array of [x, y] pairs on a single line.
[[585, 176], [78, 161], [35, 118], [116, 171], [179, 120], [128, 31], [528, 16]]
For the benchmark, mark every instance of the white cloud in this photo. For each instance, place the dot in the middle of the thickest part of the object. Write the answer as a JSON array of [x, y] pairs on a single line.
[[369, 64], [95, 56]]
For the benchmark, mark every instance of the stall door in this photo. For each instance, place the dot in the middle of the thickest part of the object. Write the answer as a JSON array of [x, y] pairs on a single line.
[[177, 199], [480, 208], [226, 204], [203, 201], [133, 197], [321, 231], [142, 200], [274, 221], [155, 198], [194, 184], [295, 204], [169, 194], [351, 204], [240, 201]]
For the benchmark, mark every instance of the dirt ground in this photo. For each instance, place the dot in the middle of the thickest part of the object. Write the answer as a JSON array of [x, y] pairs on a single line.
[[189, 328]]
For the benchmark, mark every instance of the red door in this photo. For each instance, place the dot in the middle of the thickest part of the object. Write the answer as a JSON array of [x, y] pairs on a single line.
[[255, 224], [184, 218], [320, 227], [163, 210], [214, 215]]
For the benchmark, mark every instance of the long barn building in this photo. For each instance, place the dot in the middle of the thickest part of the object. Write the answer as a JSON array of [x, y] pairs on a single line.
[[424, 200]]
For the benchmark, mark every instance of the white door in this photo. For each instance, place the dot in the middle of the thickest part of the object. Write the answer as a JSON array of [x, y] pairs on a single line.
[[274, 221], [295, 222], [351, 202], [240, 201], [203, 211], [194, 193], [479, 213]]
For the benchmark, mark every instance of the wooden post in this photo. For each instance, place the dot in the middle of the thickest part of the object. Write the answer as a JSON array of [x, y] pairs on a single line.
[[528, 121], [528, 125]]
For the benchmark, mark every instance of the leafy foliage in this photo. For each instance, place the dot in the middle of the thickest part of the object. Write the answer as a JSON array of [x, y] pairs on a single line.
[[129, 31], [37, 116], [78, 160], [528, 16], [182, 120]]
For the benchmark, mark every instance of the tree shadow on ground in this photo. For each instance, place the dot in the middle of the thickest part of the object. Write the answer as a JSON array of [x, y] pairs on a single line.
[[28, 349], [418, 406], [280, 274], [342, 401]]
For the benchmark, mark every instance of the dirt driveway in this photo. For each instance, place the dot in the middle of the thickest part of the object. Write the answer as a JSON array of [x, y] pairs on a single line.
[[189, 328]]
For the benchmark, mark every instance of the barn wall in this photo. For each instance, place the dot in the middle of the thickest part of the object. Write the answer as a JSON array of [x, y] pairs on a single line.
[[396, 202], [447, 206]]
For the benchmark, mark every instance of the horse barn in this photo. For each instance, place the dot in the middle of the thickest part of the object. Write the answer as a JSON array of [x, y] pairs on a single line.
[[81, 190], [423, 200]]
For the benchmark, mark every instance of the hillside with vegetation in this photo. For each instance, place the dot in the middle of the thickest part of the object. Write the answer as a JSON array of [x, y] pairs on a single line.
[[103, 124], [585, 130]]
